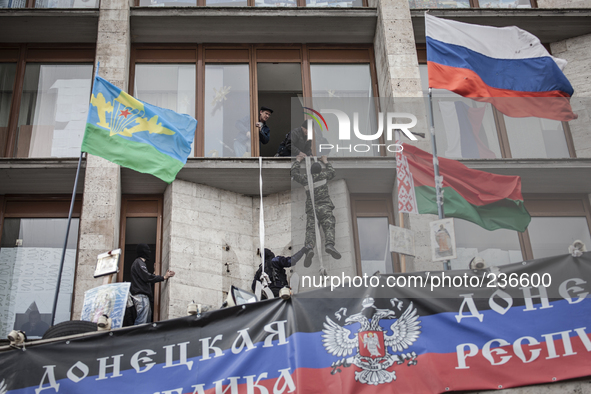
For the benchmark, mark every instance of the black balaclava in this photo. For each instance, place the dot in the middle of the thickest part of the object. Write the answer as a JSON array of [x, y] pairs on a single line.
[[144, 251], [315, 168], [269, 255]]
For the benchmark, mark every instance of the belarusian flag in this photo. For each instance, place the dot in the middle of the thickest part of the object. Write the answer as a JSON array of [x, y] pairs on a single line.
[[489, 200]]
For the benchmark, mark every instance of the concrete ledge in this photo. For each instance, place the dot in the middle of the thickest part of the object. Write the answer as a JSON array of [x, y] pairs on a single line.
[[255, 24], [548, 24], [369, 175], [48, 25]]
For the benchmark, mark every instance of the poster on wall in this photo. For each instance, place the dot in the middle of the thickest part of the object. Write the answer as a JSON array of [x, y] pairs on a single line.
[[443, 240], [109, 300]]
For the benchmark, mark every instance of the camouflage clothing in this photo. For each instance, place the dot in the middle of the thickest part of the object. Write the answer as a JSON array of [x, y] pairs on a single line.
[[322, 201]]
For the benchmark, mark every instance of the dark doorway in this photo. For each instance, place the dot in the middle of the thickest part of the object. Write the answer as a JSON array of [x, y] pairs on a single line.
[[278, 83]]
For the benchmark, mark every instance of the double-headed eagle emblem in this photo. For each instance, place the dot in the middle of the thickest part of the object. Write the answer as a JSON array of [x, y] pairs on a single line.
[[371, 342]]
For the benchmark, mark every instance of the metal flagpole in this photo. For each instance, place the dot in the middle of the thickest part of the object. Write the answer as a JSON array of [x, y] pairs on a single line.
[[438, 179], [61, 269]]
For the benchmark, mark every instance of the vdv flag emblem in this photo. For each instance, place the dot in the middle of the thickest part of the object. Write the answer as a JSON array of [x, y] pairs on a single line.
[[371, 342], [136, 134]]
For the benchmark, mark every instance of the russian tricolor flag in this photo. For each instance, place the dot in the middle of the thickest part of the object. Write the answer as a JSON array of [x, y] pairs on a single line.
[[506, 66]]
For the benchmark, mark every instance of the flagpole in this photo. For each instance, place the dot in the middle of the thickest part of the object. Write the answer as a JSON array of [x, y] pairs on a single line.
[[61, 269], [438, 179]]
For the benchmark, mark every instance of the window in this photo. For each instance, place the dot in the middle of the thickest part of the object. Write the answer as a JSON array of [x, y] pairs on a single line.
[[224, 86], [32, 240], [557, 221], [245, 3], [170, 86], [473, 130], [49, 3], [473, 3], [45, 115], [372, 215]]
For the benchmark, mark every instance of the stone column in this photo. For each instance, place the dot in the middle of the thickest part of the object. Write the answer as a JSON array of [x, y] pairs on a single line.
[[101, 206]]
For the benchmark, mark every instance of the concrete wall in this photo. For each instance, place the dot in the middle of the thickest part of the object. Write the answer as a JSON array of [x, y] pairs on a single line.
[[101, 206]]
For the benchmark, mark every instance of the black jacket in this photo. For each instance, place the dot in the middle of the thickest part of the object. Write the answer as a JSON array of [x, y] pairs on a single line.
[[295, 142], [141, 279]]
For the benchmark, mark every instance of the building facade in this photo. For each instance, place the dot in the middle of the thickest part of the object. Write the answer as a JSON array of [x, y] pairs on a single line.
[[220, 61]]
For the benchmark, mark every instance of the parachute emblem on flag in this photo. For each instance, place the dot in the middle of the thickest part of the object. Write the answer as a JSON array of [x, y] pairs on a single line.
[[371, 342], [125, 111]]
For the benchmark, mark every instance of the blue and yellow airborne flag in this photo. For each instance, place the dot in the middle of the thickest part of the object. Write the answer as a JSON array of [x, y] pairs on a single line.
[[135, 134]]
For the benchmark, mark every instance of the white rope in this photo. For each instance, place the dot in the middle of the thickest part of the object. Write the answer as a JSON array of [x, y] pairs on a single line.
[[317, 230]]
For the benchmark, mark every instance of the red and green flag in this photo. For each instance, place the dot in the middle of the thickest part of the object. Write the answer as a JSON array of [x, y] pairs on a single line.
[[489, 200]]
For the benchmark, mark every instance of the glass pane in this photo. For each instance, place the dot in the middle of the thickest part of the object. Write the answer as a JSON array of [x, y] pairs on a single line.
[[275, 3], [498, 247], [7, 74], [334, 3], [439, 3], [344, 84], [553, 236], [536, 138], [227, 3], [30, 254], [505, 3], [66, 3], [227, 110], [170, 86], [168, 3], [374, 245], [13, 3], [464, 128], [53, 110]]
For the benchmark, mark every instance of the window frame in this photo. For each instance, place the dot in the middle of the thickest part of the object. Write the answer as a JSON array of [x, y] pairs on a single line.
[[35, 53], [143, 206], [499, 119], [251, 54], [42, 207], [250, 3]]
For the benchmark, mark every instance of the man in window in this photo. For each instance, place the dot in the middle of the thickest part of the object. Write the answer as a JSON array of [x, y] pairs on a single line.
[[242, 140], [322, 203], [141, 284]]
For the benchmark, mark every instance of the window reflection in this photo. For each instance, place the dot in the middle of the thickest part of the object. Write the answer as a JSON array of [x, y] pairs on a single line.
[[536, 137], [168, 3], [498, 247], [66, 3], [30, 254], [53, 110], [552, 236], [227, 111], [505, 3], [465, 129], [170, 86], [7, 75], [347, 88], [275, 3], [439, 3], [374, 245], [227, 3], [334, 3]]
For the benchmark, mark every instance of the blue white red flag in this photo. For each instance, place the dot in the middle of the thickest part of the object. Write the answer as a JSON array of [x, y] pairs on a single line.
[[506, 66]]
